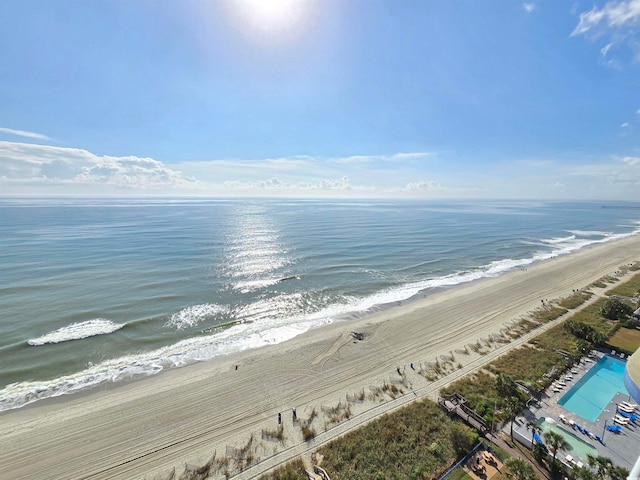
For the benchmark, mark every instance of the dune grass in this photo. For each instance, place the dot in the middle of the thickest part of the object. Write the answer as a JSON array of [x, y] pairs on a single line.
[[630, 288], [418, 441], [294, 470]]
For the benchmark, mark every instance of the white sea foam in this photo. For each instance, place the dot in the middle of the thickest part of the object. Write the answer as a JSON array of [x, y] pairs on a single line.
[[193, 315], [78, 331], [554, 241], [239, 337]]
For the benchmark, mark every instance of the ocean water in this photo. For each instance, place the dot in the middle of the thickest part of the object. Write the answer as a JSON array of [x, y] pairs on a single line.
[[96, 291]]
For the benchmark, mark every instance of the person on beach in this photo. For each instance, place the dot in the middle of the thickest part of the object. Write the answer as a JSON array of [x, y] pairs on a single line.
[[295, 415], [279, 418]]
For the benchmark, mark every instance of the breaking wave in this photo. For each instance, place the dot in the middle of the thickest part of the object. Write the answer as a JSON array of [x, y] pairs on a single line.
[[78, 331], [193, 315]]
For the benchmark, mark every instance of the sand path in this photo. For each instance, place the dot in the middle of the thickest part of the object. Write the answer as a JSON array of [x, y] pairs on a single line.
[[145, 428]]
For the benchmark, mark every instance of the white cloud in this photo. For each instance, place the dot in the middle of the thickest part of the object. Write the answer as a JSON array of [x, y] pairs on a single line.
[[638, 111], [624, 125], [612, 15], [631, 160], [429, 186], [22, 133], [379, 159], [604, 50], [618, 22], [278, 184], [529, 7], [43, 164]]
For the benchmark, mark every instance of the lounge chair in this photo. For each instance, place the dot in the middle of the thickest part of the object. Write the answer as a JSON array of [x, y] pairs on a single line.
[[562, 418], [614, 428], [621, 420], [629, 405], [598, 438], [622, 408], [569, 458]]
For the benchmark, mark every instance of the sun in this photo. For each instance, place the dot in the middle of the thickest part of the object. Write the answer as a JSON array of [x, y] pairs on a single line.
[[270, 17]]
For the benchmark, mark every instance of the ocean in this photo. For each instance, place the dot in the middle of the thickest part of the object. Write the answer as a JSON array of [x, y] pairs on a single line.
[[95, 291]]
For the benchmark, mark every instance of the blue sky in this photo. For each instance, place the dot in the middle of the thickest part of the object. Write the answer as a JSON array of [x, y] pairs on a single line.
[[348, 98]]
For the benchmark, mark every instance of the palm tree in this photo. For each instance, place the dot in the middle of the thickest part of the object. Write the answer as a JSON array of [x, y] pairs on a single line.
[[512, 409], [519, 469], [617, 472], [601, 464], [535, 428], [583, 473], [556, 442], [605, 469]]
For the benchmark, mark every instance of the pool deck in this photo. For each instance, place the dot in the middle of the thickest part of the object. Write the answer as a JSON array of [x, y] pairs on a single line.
[[622, 448]]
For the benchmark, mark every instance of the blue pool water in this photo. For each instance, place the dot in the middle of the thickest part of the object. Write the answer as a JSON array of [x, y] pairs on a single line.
[[594, 391]]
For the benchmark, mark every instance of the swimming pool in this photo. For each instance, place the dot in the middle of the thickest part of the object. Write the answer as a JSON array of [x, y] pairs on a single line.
[[594, 391], [578, 447]]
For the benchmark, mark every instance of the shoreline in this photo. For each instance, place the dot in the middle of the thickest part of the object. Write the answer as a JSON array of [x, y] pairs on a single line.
[[145, 427]]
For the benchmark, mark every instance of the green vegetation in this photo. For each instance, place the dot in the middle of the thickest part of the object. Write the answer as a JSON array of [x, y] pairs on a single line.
[[547, 314], [630, 288], [616, 310], [294, 470], [519, 469], [418, 441], [574, 300]]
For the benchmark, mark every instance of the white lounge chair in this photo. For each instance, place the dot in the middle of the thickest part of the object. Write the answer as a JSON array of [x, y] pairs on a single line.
[[629, 405], [621, 420]]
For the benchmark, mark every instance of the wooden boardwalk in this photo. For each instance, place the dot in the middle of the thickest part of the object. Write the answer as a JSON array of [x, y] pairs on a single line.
[[457, 405]]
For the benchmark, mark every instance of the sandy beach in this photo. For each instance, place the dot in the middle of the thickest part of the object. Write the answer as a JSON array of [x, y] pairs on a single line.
[[144, 429]]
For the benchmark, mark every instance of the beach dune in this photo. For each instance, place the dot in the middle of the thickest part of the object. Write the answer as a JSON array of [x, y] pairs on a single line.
[[145, 428]]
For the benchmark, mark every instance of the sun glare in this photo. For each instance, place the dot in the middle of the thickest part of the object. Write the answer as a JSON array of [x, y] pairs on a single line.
[[271, 17]]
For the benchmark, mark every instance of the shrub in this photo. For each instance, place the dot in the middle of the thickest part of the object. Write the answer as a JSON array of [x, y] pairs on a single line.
[[615, 309]]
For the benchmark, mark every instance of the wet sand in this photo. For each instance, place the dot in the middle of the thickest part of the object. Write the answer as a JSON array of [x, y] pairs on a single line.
[[145, 428]]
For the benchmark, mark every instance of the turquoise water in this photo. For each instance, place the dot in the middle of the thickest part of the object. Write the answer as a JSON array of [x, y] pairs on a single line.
[[96, 291], [594, 391], [579, 448]]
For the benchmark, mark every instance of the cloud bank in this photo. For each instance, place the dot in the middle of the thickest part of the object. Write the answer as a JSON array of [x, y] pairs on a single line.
[[31, 169], [43, 165]]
